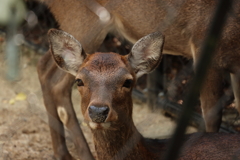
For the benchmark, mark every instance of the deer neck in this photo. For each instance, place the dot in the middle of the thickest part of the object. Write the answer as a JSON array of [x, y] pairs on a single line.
[[117, 143]]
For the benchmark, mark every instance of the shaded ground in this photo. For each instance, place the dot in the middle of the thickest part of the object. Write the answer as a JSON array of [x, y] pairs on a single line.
[[24, 132]]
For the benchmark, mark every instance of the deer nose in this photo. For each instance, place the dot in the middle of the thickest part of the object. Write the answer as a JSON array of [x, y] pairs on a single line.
[[98, 114]]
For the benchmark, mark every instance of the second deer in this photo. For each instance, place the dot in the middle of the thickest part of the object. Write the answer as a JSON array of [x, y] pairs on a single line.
[[105, 82]]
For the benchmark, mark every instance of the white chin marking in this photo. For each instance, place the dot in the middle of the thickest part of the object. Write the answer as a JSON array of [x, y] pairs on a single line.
[[94, 125]]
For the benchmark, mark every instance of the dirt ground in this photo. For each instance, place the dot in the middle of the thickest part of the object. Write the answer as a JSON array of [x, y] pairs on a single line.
[[24, 131]]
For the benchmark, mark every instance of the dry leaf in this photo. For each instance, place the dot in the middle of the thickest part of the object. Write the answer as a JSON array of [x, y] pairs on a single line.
[[21, 97], [11, 101]]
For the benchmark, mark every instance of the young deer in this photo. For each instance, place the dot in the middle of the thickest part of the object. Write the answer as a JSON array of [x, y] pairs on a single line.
[[184, 24], [105, 82]]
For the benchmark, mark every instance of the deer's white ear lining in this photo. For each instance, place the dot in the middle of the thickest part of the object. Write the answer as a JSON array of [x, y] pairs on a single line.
[[66, 51], [146, 54]]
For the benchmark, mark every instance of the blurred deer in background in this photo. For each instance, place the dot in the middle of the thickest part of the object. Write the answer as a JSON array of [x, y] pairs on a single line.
[[184, 24], [105, 82]]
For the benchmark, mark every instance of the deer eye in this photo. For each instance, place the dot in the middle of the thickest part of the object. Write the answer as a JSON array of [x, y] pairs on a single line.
[[79, 82], [128, 83]]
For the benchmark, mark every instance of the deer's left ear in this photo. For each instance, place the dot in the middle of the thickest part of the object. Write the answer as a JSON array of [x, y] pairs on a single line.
[[146, 53]]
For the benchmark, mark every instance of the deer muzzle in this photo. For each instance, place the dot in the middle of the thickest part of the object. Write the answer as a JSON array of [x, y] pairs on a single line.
[[98, 114]]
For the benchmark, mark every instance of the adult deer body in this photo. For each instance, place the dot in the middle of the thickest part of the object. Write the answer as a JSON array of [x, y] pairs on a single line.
[[105, 82], [184, 24]]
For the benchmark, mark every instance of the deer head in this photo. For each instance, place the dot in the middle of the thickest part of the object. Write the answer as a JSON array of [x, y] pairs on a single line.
[[105, 80]]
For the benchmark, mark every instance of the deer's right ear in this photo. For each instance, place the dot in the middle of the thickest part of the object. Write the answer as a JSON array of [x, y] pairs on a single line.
[[66, 51]]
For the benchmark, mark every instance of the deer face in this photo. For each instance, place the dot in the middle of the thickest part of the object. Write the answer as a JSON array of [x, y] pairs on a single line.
[[105, 80]]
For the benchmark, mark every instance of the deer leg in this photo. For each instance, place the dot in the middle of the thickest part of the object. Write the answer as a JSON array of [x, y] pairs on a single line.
[[56, 87], [210, 97]]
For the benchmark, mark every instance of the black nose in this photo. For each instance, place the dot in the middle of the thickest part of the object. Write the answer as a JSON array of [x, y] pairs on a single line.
[[98, 114]]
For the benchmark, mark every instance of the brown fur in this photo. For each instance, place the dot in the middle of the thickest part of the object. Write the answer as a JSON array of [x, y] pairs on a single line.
[[103, 77], [184, 23], [122, 140]]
